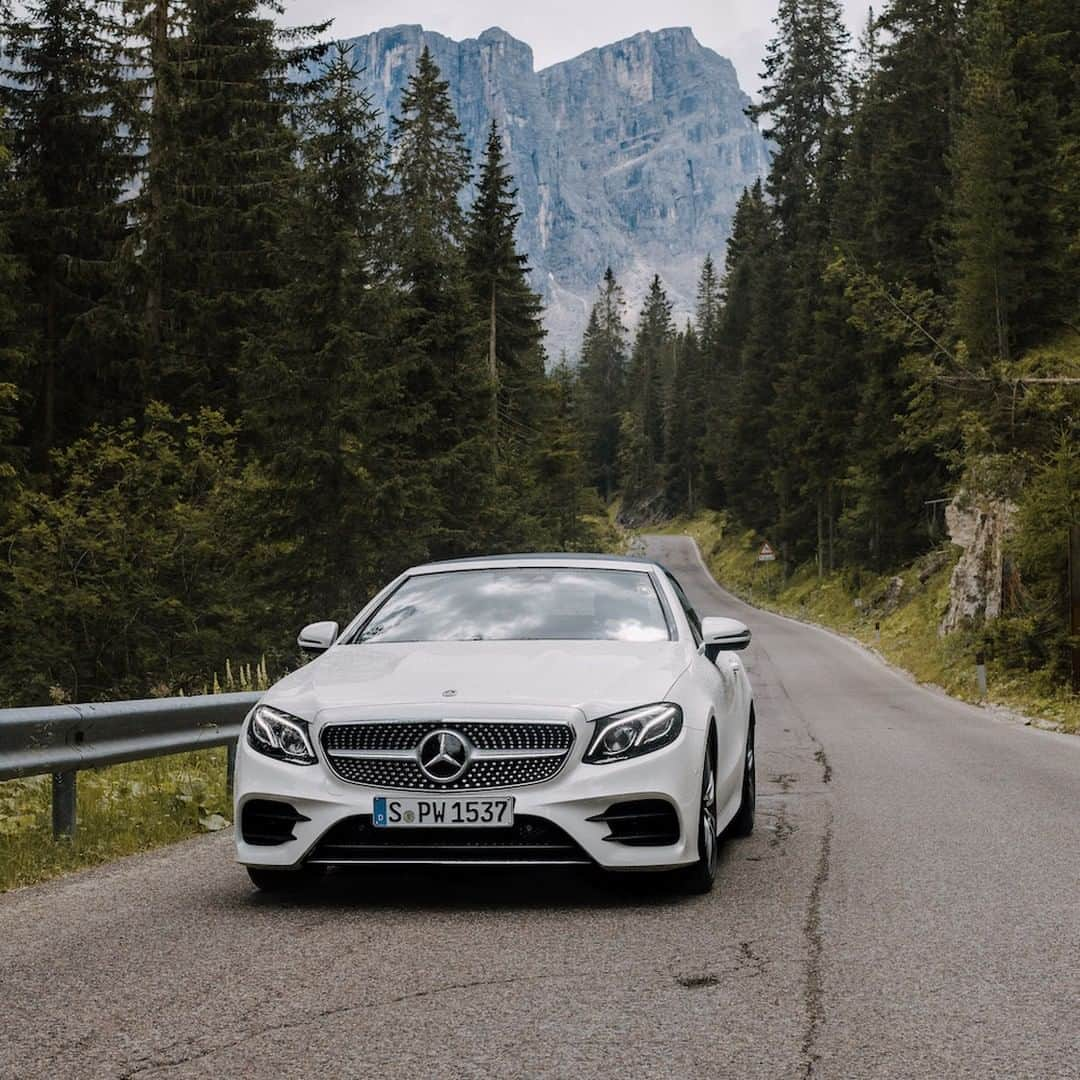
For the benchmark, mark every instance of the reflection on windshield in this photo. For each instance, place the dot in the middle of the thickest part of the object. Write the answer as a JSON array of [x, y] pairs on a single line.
[[521, 604]]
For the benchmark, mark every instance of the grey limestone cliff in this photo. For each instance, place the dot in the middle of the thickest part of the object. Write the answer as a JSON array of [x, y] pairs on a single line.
[[632, 154]]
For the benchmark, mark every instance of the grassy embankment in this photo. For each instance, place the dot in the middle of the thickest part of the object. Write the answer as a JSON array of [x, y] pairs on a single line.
[[122, 809], [908, 617]]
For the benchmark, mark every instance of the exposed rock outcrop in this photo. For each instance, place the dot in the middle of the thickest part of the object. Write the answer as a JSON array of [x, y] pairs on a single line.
[[631, 155], [981, 527]]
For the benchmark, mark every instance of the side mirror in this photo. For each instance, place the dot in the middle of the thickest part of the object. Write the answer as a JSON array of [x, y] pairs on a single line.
[[317, 637], [723, 635]]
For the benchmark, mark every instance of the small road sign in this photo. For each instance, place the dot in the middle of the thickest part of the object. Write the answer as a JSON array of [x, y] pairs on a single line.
[[766, 554]]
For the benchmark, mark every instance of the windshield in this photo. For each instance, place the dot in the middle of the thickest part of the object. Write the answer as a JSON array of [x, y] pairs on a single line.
[[521, 604]]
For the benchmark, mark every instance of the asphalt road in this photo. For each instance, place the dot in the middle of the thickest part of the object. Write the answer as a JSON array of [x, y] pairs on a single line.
[[909, 906]]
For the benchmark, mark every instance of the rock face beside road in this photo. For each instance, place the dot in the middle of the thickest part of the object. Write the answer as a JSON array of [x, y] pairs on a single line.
[[631, 155]]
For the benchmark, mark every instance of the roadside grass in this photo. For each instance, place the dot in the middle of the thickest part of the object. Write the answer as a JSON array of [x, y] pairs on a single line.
[[896, 614], [122, 809]]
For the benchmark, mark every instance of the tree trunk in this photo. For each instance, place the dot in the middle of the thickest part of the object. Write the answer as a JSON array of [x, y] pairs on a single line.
[[1074, 603], [832, 531], [821, 536], [493, 374], [159, 55]]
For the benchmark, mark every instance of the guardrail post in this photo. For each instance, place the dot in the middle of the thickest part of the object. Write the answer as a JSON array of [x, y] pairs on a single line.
[[63, 805]]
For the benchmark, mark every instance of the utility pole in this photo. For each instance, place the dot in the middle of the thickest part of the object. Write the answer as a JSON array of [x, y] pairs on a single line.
[[1074, 603]]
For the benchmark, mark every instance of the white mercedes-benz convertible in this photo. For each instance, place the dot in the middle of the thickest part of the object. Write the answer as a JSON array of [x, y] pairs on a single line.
[[522, 710]]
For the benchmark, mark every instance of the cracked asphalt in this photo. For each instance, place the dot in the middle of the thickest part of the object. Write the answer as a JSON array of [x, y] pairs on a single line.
[[908, 906]]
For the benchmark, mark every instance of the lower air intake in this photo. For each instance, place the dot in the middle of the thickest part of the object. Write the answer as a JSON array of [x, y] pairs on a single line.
[[641, 823], [265, 822], [530, 840]]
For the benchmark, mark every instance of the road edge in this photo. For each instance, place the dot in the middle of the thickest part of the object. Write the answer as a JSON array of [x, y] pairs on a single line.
[[998, 713]]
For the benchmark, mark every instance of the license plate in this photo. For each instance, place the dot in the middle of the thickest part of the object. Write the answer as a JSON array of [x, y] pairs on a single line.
[[392, 813]]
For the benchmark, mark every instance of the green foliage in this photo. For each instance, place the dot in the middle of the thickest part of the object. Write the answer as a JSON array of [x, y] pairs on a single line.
[[344, 368], [897, 313], [446, 385], [652, 365], [67, 103], [131, 566], [602, 375]]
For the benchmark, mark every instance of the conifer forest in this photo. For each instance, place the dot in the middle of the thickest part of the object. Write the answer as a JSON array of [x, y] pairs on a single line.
[[262, 347]]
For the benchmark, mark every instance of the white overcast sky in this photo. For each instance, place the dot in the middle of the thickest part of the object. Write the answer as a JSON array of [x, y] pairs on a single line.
[[559, 29]]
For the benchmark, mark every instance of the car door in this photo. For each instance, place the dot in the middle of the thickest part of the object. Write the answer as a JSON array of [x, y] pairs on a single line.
[[725, 685]]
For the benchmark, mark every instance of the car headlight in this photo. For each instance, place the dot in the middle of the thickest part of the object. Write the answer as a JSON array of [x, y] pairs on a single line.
[[634, 732], [279, 735]]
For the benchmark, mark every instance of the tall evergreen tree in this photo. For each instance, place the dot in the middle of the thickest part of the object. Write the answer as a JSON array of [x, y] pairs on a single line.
[[803, 87], [323, 371], [893, 211], [12, 462], [652, 365], [68, 106], [218, 181], [805, 82], [603, 377], [890, 221], [684, 425], [1009, 202], [497, 273], [447, 390], [752, 334]]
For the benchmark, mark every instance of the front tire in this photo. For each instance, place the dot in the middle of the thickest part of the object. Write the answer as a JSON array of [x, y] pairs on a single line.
[[742, 824], [272, 879], [700, 877]]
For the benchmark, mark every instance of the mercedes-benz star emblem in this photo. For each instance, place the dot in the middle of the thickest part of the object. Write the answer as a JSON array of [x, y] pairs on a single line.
[[443, 755]]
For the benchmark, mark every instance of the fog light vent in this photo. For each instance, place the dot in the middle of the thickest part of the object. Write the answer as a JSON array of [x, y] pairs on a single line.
[[264, 822], [641, 823]]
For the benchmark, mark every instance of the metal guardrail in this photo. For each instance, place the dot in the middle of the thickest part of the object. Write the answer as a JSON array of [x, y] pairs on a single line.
[[62, 739]]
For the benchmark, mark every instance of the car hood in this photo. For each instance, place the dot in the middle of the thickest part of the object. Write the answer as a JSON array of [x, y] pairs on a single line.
[[594, 676]]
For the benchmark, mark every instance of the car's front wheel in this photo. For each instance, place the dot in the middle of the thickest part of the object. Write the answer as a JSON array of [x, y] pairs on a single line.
[[742, 824], [272, 879], [701, 875]]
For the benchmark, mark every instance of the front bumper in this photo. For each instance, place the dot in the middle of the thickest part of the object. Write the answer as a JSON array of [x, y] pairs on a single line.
[[568, 800]]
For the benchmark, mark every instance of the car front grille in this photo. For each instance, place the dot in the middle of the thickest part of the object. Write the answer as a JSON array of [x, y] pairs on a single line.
[[384, 753], [530, 840]]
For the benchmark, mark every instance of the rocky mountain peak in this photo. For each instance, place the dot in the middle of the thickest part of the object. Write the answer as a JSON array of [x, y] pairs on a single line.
[[632, 154]]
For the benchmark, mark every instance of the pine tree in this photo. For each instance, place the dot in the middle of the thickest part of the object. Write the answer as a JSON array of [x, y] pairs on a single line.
[[803, 80], [890, 220], [447, 390], [684, 425], [603, 379], [219, 178], [559, 494], [986, 193], [68, 103], [652, 365], [753, 333], [892, 215], [1009, 203], [12, 464], [323, 371], [497, 274], [806, 77]]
